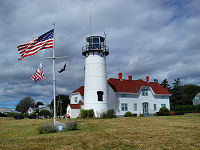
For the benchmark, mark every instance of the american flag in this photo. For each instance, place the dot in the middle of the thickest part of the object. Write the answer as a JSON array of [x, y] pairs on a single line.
[[44, 41], [39, 74]]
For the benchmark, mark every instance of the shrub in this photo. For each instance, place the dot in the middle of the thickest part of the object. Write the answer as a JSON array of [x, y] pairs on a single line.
[[45, 113], [108, 114], [188, 108], [12, 114], [179, 113], [3, 115], [87, 113], [128, 114], [185, 108], [90, 113], [164, 111], [26, 115], [47, 128], [71, 125], [51, 128], [134, 115], [141, 115]]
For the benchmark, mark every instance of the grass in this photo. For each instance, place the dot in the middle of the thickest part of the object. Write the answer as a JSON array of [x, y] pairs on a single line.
[[163, 132]]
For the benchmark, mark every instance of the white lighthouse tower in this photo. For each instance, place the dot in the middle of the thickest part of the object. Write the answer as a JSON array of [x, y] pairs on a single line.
[[95, 85]]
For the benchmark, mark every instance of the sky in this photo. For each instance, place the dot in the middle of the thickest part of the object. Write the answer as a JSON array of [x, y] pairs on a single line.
[[158, 38]]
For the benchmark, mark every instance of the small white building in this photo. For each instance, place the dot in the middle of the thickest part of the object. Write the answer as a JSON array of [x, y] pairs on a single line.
[[136, 96], [73, 110]]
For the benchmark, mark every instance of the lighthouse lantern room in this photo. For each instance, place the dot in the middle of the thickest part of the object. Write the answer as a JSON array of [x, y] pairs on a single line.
[[95, 84]]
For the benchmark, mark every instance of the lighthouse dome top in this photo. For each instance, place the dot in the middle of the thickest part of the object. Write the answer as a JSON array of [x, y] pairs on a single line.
[[95, 43]]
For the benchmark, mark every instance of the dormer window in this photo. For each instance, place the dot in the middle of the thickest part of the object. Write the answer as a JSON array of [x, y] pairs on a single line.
[[76, 99], [144, 92]]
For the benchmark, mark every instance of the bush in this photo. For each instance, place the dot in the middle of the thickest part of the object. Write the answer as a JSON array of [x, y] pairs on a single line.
[[90, 113], [87, 113], [128, 114], [26, 115], [188, 108], [141, 115], [47, 128], [12, 114], [108, 114], [3, 115], [45, 113], [164, 111], [71, 125], [185, 108], [179, 113], [51, 128]]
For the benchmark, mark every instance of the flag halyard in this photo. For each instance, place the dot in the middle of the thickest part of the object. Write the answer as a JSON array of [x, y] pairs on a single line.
[[44, 41]]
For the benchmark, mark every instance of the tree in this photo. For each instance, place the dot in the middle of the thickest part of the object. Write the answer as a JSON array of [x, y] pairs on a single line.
[[38, 103], [165, 84], [177, 83], [189, 92], [155, 80], [62, 102], [182, 94], [24, 104], [177, 94]]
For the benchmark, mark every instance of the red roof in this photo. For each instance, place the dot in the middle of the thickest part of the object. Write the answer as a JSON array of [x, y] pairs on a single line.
[[80, 90], [130, 86], [133, 86], [75, 106]]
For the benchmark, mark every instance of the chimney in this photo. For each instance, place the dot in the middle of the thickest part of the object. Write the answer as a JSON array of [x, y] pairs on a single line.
[[147, 78], [129, 77], [120, 75]]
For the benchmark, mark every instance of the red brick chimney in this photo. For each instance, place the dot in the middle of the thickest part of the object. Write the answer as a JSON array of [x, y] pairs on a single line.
[[147, 78], [129, 77], [120, 75]]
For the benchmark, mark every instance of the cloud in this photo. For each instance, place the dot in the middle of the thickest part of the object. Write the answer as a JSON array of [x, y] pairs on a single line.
[[155, 38]]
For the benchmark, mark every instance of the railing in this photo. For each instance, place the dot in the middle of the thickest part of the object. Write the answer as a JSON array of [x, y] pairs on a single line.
[[95, 47]]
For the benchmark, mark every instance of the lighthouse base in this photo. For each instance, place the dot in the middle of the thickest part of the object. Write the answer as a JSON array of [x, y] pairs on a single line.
[[98, 108]]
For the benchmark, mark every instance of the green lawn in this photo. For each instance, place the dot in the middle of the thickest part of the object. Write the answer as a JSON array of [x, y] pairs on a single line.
[[171, 132]]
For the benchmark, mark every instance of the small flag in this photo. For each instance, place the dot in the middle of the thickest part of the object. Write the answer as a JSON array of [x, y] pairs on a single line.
[[44, 41], [39, 74], [63, 69]]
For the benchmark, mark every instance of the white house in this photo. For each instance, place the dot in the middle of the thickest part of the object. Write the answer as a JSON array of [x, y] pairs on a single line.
[[40, 108], [73, 110], [196, 99], [136, 96], [122, 95]]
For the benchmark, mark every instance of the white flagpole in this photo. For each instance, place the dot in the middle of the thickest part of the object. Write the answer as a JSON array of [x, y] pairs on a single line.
[[54, 77]]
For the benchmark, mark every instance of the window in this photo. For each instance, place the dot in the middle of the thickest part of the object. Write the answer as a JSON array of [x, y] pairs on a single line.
[[123, 95], [163, 105], [154, 107], [144, 92], [135, 107], [124, 107], [100, 95], [76, 99]]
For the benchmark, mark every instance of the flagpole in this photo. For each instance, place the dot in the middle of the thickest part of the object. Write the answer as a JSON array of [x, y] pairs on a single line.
[[54, 77]]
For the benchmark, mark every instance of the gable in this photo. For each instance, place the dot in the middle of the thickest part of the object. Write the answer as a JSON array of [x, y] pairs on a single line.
[[79, 90]]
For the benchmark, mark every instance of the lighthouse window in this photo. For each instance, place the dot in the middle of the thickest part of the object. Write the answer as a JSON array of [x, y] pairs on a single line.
[[95, 43], [100, 95]]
